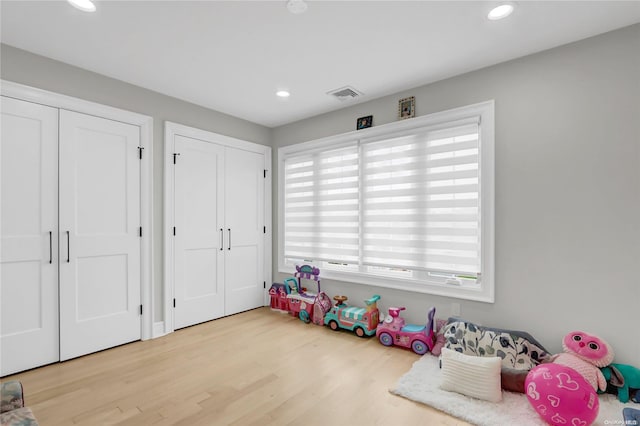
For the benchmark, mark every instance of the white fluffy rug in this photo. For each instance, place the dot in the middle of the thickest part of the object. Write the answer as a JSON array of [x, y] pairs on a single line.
[[421, 384]]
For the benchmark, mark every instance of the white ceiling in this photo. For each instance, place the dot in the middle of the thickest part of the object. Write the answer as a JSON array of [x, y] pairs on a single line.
[[232, 56]]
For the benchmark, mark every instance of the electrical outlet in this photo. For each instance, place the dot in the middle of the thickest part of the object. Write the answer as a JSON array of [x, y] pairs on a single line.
[[455, 309]]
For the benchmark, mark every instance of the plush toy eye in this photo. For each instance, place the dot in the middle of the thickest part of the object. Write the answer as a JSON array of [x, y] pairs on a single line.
[[577, 337], [594, 346]]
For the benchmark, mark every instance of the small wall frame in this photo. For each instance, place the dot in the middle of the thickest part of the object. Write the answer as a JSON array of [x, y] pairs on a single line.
[[364, 122], [407, 108]]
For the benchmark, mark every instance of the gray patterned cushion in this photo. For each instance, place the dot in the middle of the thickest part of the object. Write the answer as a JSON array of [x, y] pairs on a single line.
[[11, 396], [14, 413], [18, 417], [518, 350]]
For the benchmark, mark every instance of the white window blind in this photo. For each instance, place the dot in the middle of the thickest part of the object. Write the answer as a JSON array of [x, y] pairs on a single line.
[[421, 203], [321, 211], [406, 205]]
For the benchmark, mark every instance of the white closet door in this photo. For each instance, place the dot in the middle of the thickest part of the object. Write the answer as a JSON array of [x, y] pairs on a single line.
[[198, 244], [29, 252], [244, 214], [99, 240]]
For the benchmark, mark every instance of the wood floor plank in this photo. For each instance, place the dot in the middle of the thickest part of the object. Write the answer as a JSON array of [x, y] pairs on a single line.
[[255, 368]]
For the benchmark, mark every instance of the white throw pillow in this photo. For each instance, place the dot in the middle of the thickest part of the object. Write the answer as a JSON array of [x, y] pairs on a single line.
[[478, 377]]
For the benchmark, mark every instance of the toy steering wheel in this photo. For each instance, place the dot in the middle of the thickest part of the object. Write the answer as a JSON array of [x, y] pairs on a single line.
[[340, 299], [395, 312]]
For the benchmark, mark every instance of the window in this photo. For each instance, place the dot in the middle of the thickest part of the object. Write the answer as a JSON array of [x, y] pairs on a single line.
[[406, 205]]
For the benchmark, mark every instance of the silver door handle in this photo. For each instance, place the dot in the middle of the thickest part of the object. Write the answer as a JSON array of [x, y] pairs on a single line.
[[229, 229], [221, 239], [68, 248], [50, 247]]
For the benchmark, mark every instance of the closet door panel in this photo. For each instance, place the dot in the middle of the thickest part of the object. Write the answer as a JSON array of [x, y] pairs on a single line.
[[244, 213], [29, 263], [198, 244], [99, 232]]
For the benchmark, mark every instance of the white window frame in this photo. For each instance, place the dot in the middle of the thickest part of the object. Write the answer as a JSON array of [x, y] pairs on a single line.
[[484, 290]]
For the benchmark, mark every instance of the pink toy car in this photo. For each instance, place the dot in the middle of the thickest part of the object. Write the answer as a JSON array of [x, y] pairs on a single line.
[[393, 331]]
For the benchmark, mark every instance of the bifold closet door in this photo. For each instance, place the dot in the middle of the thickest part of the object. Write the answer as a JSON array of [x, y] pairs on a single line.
[[29, 256], [99, 234], [199, 240], [244, 214]]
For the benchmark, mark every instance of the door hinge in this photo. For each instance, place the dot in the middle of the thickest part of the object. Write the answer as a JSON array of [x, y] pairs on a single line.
[[140, 309], [140, 231], [175, 155], [265, 173], [264, 284], [174, 302], [140, 148], [174, 231]]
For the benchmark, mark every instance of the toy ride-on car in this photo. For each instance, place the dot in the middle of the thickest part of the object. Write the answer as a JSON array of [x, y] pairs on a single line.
[[362, 321], [394, 331]]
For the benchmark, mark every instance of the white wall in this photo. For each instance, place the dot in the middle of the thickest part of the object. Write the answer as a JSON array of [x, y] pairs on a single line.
[[567, 189], [37, 71]]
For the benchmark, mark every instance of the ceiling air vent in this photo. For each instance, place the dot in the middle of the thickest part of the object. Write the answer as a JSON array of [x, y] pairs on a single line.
[[345, 93]]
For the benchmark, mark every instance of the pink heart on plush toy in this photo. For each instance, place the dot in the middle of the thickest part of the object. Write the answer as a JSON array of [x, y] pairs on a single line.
[[542, 409], [566, 382], [531, 391], [547, 376], [554, 400], [557, 418], [578, 422]]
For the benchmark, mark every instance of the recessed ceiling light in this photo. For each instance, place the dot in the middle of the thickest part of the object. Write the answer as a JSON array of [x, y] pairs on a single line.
[[83, 5], [283, 93], [500, 12], [297, 6]]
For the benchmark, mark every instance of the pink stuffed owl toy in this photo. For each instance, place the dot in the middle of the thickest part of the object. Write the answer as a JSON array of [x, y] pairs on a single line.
[[585, 354]]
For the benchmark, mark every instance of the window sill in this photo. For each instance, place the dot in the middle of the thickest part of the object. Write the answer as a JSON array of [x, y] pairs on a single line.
[[475, 293]]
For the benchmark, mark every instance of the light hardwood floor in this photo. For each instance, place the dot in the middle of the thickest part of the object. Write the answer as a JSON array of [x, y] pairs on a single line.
[[255, 368]]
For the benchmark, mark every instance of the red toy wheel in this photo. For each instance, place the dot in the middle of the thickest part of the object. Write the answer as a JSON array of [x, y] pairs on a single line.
[[359, 331], [333, 325]]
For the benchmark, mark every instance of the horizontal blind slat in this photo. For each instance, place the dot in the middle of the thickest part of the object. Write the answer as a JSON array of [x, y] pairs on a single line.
[[403, 258], [406, 202], [408, 176], [349, 260], [417, 216], [382, 192], [383, 229], [303, 197], [429, 245], [414, 150]]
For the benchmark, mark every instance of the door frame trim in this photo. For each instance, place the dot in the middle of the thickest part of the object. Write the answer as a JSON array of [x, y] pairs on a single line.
[[172, 129], [145, 123]]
